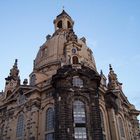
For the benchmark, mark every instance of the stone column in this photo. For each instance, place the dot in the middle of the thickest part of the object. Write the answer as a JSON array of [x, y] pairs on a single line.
[[34, 123], [95, 117], [113, 124], [62, 125]]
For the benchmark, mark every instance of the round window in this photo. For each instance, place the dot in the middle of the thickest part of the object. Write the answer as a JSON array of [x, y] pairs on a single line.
[[74, 50]]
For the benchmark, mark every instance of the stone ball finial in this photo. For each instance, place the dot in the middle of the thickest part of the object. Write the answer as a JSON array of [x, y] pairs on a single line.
[[48, 37]]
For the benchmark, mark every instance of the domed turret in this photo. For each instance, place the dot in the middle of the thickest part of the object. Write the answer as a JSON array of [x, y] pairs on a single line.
[[62, 48]]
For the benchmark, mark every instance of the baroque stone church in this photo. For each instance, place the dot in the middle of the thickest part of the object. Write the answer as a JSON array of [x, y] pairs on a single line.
[[66, 98]]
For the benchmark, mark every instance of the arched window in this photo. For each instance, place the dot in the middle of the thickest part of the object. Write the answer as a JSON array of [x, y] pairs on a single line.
[[49, 126], [79, 116], [69, 24], [9, 92], [103, 124], [121, 128], [77, 82], [59, 24], [44, 51], [75, 60], [79, 112], [20, 127]]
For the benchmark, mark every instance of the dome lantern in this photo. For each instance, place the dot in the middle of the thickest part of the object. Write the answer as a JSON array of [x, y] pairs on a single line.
[[63, 21]]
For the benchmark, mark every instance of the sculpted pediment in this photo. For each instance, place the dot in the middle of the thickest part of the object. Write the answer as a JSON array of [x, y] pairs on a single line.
[[21, 90]]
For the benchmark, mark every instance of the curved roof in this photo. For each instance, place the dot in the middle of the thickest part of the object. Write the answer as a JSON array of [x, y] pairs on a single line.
[[59, 47], [63, 13]]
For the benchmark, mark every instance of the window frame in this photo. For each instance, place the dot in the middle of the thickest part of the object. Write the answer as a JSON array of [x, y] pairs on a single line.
[[49, 123], [59, 24], [74, 50], [80, 133], [77, 81], [121, 128], [79, 110], [20, 127], [49, 135]]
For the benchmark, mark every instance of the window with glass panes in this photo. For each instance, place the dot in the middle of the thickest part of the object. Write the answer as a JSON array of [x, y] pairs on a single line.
[[79, 112], [20, 126], [49, 126], [78, 82], [80, 133], [79, 116], [49, 136]]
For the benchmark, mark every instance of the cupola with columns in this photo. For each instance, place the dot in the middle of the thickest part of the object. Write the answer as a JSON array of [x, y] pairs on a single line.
[[63, 21]]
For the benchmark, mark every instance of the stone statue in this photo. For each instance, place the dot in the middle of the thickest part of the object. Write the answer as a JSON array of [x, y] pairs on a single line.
[[71, 36], [113, 81]]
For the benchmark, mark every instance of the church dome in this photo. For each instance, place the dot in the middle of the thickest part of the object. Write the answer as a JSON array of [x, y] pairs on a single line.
[[63, 48]]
